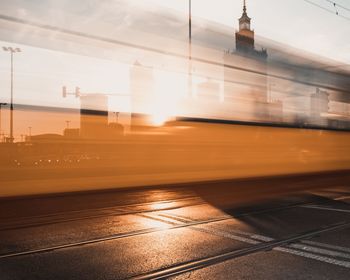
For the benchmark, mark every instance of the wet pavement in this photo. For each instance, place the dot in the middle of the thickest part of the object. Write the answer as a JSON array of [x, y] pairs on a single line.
[[176, 233]]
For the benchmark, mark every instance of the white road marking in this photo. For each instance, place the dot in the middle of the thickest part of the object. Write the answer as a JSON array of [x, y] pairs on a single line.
[[226, 235], [321, 251], [314, 257], [325, 208], [304, 247], [298, 249], [343, 197], [294, 249], [324, 245]]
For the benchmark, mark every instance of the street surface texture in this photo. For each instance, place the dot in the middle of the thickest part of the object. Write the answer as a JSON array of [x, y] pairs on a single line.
[[178, 233]]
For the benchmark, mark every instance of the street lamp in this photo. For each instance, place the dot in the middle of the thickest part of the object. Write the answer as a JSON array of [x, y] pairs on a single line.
[[12, 51], [269, 97], [30, 133], [190, 27], [1, 104], [190, 46]]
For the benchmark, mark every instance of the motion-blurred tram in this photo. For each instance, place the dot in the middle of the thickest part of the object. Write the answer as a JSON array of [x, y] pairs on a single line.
[[185, 150], [205, 115]]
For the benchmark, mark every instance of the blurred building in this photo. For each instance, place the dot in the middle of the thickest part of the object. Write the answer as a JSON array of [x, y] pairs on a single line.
[[245, 41], [246, 88], [208, 90], [71, 133], [142, 93], [319, 104], [94, 116], [275, 110]]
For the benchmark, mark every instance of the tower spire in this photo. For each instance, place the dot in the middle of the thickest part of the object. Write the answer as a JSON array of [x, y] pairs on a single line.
[[244, 21], [245, 41], [245, 36]]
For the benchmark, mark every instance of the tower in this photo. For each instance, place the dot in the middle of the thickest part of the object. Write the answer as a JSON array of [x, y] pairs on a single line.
[[245, 36], [249, 99]]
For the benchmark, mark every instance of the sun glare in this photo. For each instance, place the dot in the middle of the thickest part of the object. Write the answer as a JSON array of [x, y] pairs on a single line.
[[167, 98], [159, 118]]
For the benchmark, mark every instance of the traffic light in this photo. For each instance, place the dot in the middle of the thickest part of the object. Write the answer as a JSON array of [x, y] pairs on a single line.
[[77, 92], [64, 92]]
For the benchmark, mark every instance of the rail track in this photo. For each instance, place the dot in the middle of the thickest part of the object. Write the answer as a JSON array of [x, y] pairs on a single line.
[[176, 223]]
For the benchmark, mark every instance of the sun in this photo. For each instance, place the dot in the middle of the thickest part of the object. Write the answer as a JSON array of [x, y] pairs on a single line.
[[169, 89]]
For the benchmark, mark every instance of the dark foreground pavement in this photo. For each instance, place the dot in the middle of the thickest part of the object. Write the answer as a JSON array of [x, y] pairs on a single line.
[[284, 228]]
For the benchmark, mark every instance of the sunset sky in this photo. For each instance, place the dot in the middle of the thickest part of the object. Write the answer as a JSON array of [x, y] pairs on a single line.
[[43, 67]]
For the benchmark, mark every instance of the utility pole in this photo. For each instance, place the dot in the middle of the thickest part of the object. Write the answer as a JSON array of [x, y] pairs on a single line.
[[12, 51], [116, 116], [269, 97], [190, 47], [30, 133], [1, 104]]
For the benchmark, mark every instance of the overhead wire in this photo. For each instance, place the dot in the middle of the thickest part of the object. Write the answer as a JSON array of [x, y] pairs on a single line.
[[335, 4], [329, 10]]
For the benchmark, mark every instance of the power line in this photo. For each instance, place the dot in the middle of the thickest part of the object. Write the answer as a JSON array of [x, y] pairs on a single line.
[[328, 10], [169, 53], [336, 4]]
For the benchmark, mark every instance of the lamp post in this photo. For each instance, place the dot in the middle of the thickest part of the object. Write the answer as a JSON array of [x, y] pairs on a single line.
[[1, 104], [30, 133], [269, 97], [12, 51], [190, 26], [190, 47], [116, 117]]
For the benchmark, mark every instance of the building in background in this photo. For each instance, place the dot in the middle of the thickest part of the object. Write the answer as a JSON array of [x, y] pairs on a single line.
[[94, 116], [245, 41], [319, 107], [142, 93], [247, 88], [209, 90]]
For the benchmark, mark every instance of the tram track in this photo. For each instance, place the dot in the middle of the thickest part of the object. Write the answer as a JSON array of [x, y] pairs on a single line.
[[56, 218], [192, 265], [65, 217], [185, 223], [108, 238]]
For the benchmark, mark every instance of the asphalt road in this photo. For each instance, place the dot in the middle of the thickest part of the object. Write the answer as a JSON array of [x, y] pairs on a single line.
[[177, 233]]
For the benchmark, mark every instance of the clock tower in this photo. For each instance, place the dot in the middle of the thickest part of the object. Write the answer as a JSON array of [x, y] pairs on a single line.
[[245, 36], [252, 93]]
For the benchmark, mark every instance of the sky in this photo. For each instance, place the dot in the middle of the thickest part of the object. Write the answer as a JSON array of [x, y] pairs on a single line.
[[44, 66], [293, 22]]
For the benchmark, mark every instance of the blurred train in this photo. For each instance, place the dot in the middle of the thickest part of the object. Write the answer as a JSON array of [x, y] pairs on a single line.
[[213, 113], [180, 151]]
